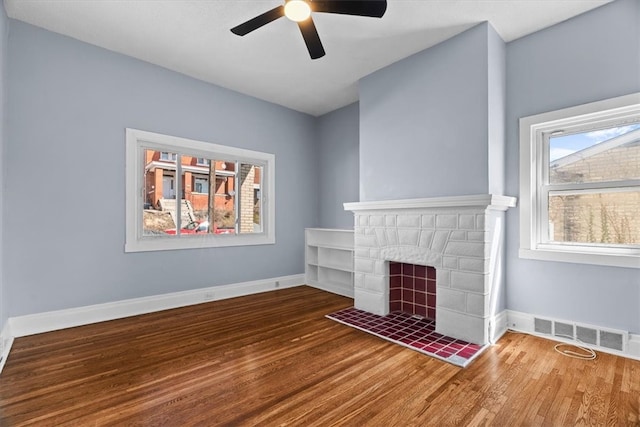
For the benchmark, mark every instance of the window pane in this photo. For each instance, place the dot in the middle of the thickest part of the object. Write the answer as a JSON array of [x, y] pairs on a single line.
[[210, 189], [158, 216], [250, 220], [196, 173], [608, 218], [611, 154], [201, 184], [225, 198]]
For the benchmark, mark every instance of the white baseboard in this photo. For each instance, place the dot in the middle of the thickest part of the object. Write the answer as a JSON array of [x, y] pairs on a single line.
[[524, 322], [50, 321], [633, 346], [334, 289], [498, 326], [6, 341]]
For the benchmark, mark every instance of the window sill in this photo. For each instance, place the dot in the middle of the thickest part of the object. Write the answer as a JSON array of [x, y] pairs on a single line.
[[611, 260], [150, 244]]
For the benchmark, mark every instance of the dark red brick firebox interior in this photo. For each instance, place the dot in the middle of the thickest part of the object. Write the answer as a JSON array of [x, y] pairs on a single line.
[[412, 289]]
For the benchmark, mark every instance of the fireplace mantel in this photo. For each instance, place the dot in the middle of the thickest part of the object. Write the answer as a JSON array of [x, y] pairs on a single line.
[[485, 201], [460, 236]]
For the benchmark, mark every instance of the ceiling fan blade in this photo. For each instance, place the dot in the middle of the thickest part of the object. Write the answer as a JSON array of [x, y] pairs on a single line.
[[372, 8], [311, 38], [258, 21]]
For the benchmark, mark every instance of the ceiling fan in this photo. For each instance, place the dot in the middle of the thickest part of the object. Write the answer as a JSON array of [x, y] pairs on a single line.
[[300, 12]]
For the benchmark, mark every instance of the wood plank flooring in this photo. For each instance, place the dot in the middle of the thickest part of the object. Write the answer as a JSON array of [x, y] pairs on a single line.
[[274, 359]]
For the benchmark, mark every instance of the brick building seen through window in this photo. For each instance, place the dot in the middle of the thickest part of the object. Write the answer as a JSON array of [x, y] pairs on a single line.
[[198, 198]]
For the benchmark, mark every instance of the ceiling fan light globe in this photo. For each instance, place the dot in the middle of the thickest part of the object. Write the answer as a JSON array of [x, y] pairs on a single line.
[[297, 10]]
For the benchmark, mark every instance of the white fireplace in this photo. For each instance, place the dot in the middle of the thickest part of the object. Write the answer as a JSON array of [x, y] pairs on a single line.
[[461, 237]]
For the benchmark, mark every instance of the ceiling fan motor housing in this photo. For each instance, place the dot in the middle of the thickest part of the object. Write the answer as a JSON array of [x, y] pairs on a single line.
[[300, 12]]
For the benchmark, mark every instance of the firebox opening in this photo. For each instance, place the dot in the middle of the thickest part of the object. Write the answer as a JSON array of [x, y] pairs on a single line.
[[412, 289]]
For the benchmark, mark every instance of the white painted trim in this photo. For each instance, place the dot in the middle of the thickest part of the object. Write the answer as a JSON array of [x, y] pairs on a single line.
[[333, 288], [633, 346], [532, 173], [524, 323], [331, 230], [487, 201], [611, 260], [53, 320], [498, 326], [6, 341], [135, 143], [61, 319], [200, 170]]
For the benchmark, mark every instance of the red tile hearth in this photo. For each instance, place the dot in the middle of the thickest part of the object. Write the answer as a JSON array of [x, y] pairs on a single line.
[[414, 332]]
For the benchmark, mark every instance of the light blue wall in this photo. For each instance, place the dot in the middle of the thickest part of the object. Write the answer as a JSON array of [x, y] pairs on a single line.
[[588, 58], [496, 120], [338, 140], [4, 30], [70, 103], [424, 121], [64, 160], [433, 124], [444, 121]]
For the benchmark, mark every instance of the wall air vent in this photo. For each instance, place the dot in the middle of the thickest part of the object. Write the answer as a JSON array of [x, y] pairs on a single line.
[[590, 335], [563, 330], [587, 335], [612, 340], [543, 326]]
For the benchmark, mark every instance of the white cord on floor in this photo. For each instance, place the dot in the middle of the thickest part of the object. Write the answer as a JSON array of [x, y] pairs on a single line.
[[588, 354]]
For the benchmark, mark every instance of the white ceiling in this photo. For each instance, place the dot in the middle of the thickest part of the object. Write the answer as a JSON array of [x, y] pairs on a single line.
[[272, 63]]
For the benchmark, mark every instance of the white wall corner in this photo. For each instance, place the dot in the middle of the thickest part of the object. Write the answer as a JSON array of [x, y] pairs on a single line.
[[498, 326], [521, 322], [6, 341], [334, 289]]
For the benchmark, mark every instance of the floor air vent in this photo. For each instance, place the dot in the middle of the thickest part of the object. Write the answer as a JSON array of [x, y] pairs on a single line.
[[593, 336]]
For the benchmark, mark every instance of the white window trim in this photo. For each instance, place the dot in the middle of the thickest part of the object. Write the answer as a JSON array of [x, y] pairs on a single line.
[[138, 140], [532, 159]]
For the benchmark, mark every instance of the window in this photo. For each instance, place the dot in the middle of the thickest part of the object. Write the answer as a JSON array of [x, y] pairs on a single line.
[[580, 184], [168, 157], [205, 198], [201, 185]]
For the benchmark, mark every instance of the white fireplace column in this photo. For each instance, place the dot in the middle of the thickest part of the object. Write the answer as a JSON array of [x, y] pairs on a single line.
[[461, 236]]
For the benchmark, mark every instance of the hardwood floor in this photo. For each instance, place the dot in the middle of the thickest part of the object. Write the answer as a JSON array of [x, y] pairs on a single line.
[[274, 359]]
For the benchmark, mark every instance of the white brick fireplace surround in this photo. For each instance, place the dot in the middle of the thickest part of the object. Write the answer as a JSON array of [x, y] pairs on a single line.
[[461, 236]]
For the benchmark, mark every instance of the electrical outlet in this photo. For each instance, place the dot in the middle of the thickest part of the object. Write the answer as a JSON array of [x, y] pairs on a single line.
[[277, 284], [209, 296]]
